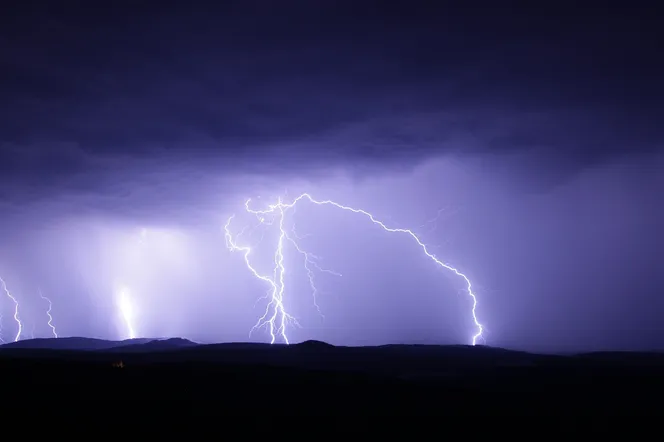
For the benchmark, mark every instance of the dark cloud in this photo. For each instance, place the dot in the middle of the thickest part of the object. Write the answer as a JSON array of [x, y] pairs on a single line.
[[105, 99], [252, 75]]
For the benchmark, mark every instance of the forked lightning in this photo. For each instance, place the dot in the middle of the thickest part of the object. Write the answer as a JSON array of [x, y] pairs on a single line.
[[276, 317]]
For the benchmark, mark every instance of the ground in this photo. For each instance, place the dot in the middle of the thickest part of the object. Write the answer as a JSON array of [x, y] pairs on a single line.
[[315, 378]]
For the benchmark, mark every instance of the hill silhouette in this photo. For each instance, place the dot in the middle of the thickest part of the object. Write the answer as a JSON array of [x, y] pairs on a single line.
[[153, 345], [315, 377], [72, 343]]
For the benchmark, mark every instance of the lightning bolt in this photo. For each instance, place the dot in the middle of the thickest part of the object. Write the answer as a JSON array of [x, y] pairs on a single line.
[[276, 291], [124, 298], [1, 338], [276, 317], [16, 317], [310, 260], [48, 313], [126, 310], [433, 222]]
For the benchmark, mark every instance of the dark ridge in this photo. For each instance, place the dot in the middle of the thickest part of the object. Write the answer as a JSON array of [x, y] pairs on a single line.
[[177, 342], [389, 360], [155, 345], [313, 344], [623, 357], [71, 343]]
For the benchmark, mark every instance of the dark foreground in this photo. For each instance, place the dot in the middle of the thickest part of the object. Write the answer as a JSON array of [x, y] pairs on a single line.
[[313, 378]]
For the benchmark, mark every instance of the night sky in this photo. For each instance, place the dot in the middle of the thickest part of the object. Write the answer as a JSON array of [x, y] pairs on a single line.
[[131, 131]]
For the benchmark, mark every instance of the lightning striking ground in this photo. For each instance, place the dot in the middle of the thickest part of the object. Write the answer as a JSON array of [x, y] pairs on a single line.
[[126, 309], [48, 313], [275, 294], [16, 317], [124, 297], [276, 316]]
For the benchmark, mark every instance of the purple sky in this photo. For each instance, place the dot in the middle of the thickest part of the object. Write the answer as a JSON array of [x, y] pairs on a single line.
[[536, 134]]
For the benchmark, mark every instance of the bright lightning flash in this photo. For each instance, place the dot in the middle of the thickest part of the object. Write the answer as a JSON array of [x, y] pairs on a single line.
[[127, 311], [48, 313], [276, 317], [16, 318]]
